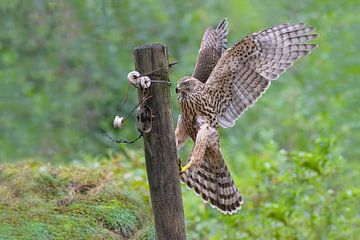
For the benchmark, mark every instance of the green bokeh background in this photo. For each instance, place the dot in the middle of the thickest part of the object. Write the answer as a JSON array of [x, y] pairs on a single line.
[[63, 67]]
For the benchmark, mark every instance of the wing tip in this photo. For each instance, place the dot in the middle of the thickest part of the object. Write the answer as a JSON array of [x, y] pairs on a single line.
[[313, 46], [226, 123], [223, 24], [222, 28], [224, 21]]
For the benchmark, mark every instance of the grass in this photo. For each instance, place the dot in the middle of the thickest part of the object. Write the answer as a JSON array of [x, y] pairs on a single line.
[[43, 202], [303, 194]]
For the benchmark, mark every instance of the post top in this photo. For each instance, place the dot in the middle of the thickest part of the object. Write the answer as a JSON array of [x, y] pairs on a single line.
[[147, 46]]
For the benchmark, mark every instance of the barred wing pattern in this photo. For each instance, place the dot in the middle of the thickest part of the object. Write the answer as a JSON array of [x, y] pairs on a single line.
[[245, 71], [213, 44]]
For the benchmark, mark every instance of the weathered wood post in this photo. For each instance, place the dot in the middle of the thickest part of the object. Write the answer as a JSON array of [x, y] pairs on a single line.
[[160, 146]]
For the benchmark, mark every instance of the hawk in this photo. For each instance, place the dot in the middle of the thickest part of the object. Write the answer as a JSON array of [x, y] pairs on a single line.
[[225, 83]]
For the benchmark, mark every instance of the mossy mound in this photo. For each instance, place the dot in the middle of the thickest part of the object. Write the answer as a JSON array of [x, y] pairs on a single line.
[[43, 202]]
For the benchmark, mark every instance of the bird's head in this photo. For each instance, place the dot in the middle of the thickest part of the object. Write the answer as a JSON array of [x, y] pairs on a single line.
[[187, 85]]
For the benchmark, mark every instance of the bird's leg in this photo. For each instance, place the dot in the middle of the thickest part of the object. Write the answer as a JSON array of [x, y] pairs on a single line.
[[180, 134], [179, 163], [198, 151], [181, 138]]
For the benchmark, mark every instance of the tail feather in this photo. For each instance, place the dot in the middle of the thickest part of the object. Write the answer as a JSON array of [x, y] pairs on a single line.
[[215, 186]]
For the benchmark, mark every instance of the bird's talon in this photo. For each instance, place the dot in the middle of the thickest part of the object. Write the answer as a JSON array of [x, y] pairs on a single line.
[[183, 168], [179, 163]]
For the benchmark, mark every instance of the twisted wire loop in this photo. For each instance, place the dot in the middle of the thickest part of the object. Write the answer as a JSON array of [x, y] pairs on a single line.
[[161, 81], [126, 98], [124, 140], [170, 65], [160, 68]]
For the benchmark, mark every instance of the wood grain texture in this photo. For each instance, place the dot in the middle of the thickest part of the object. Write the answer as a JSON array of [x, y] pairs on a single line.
[[160, 147]]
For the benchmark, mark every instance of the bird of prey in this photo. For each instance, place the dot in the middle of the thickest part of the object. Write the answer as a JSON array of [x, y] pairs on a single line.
[[225, 83]]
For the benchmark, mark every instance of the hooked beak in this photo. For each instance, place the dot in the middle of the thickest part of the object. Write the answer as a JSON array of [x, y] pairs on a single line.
[[176, 90]]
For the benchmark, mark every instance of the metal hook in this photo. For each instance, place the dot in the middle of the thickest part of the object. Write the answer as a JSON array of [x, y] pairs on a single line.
[[144, 119]]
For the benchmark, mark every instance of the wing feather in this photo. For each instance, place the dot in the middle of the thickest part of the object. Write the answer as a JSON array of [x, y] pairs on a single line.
[[213, 44], [248, 68]]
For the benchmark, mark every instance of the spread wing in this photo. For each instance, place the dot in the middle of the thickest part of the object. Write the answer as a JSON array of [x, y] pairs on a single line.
[[245, 71], [213, 44]]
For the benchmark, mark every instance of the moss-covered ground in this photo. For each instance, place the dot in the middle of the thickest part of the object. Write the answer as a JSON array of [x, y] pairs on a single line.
[[39, 201]]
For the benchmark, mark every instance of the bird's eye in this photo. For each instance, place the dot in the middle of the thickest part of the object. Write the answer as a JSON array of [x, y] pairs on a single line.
[[186, 83]]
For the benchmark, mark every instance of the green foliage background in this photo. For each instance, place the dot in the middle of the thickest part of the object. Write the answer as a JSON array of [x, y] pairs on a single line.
[[63, 67]]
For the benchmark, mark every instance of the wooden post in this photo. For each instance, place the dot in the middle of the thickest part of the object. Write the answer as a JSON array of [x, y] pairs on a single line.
[[160, 146]]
